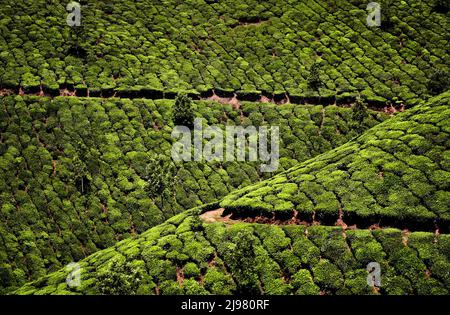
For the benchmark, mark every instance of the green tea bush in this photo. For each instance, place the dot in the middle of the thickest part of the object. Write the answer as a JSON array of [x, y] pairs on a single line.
[[328, 276], [218, 282], [303, 283], [257, 49], [355, 283], [314, 76], [286, 272]]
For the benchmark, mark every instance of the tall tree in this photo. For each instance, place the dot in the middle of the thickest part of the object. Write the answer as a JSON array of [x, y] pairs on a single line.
[[241, 259], [159, 175], [359, 113], [183, 113], [119, 278], [439, 82], [82, 176], [314, 76]]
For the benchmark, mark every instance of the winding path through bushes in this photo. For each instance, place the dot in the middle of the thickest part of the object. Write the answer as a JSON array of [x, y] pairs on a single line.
[[228, 217], [233, 98]]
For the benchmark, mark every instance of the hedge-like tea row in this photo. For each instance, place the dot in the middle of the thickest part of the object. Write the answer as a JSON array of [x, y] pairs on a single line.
[[395, 174], [229, 45], [72, 170], [185, 256]]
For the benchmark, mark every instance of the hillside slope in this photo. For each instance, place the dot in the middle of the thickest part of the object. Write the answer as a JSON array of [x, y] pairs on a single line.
[[230, 46], [187, 255], [182, 256], [397, 173], [73, 170]]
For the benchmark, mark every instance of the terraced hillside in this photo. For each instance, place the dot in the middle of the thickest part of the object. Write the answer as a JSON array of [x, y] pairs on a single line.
[[187, 255], [86, 173], [396, 173], [55, 210], [249, 48]]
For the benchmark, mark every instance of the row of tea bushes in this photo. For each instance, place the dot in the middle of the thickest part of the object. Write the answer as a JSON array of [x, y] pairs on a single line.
[[232, 45]]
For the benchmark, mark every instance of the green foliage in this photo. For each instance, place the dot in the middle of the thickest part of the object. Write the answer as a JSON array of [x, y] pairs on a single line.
[[303, 283], [159, 176], [80, 174], [306, 251], [314, 76], [396, 285], [441, 6], [375, 178], [183, 113], [241, 259], [328, 275], [246, 258], [191, 270], [359, 113], [218, 282], [192, 287], [439, 81], [118, 278], [387, 13], [100, 167], [170, 287], [260, 56], [408, 264], [430, 286], [365, 247]]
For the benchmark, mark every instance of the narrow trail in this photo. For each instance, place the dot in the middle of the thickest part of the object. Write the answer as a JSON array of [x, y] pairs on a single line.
[[233, 98], [228, 217]]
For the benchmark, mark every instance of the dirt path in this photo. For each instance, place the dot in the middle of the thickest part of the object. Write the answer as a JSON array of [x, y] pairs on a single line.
[[234, 100], [217, 216]]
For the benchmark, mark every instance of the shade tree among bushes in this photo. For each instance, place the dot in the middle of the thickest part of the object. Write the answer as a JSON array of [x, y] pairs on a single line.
[[359, 113], [160, 176], [183, 113], [439, 81], [314, 76]]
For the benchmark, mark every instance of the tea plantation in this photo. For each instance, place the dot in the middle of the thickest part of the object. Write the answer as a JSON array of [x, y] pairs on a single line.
[[182, 256], [396, 173], [73, 170], [249, 47], [185, 255], [88, 176]]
